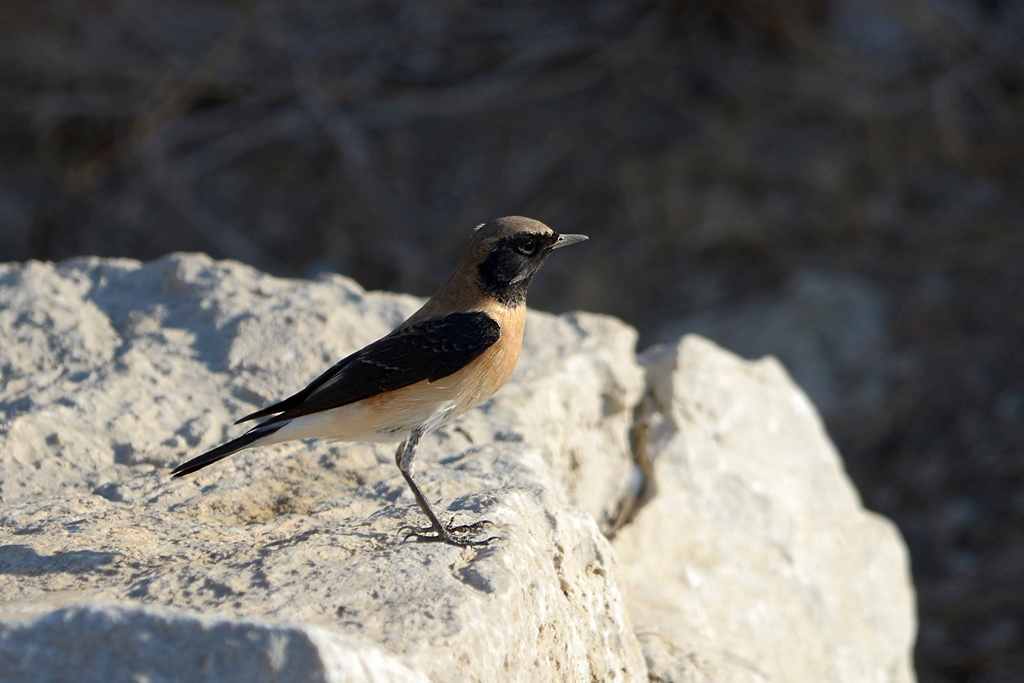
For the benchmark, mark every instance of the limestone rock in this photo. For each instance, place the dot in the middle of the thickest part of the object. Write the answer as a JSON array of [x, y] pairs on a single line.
[[106, 643], [754, 560], [750, 560], [114, 371]]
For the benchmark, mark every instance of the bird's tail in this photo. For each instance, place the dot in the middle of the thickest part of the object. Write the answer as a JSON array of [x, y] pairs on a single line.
[[252, 437]]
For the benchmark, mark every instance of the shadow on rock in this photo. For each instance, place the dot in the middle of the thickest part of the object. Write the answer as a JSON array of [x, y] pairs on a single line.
[[23, 560]]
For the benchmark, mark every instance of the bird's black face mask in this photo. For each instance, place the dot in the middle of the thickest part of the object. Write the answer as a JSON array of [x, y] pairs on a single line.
[[512, 262]]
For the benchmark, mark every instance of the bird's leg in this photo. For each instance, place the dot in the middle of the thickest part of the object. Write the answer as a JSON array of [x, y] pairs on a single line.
[[445, 534], [403, 458]]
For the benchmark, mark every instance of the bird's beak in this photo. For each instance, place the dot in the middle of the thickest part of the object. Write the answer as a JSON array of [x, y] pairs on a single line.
[[566, 240]]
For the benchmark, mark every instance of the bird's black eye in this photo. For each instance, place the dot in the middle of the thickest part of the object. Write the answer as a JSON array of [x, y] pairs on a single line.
[[527, 246]]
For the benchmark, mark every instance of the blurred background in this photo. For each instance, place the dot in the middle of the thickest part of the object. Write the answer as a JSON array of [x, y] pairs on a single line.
[[837, 182]]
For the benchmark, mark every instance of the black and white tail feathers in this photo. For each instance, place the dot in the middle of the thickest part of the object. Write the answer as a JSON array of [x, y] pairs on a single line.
[[250, 438]]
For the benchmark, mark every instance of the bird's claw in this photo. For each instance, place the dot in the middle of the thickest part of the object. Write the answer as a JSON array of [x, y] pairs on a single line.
[[450, 534]]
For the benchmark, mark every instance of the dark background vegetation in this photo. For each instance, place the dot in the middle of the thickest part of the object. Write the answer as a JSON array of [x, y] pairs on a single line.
[[838, 181]]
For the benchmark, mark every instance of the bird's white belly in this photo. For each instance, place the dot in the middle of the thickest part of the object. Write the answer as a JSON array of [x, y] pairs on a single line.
[[363, 421]]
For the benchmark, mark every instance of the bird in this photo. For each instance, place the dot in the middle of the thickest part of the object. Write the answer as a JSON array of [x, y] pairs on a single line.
[[448, 357]]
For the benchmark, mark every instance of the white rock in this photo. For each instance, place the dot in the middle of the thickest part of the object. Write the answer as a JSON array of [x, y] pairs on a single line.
[[114, 371], [754, 561], [103, 643]]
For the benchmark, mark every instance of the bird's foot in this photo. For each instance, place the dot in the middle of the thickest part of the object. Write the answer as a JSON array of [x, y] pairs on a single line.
[[451, 534]]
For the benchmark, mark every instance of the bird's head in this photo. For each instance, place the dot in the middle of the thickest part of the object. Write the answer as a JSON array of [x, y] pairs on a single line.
[[508, 251]]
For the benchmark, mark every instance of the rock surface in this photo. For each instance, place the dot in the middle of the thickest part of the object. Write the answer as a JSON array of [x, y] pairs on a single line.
[[751, 559], [754, 558], [160, 645]]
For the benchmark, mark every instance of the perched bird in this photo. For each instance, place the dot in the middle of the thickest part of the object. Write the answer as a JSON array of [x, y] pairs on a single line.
[[451, 355]]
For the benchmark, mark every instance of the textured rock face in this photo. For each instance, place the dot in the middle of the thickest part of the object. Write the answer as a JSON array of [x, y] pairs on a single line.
[[74, 644], [754, 558], [751, 561]]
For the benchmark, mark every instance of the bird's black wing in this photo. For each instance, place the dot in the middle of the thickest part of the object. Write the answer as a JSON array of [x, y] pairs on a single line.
[[428, 350]]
